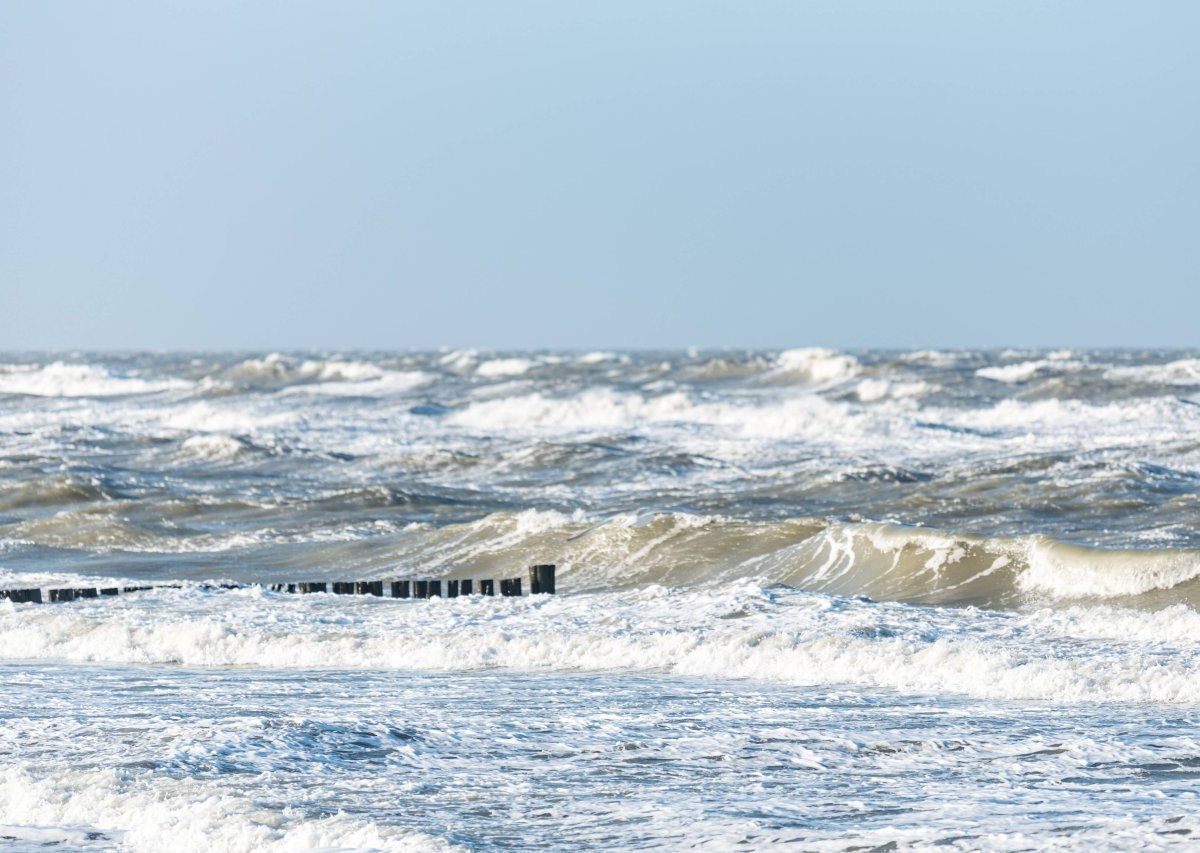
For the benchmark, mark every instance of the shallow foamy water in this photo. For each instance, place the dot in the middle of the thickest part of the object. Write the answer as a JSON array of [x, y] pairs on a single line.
[[150, 757]]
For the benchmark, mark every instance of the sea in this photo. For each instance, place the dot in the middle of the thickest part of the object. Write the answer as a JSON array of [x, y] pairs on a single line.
[[806, 599]]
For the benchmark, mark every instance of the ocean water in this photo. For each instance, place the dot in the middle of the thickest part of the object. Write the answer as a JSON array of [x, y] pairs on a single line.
[[808, 599]]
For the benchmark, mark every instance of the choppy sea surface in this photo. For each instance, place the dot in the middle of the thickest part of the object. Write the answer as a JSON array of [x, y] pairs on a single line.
[[810, 599]]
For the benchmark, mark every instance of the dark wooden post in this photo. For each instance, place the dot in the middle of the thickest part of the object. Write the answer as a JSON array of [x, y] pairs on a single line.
[[343, 588], [314, 586], [487, 586], [86, 592], [420, 589], [510, 587], [62, 595], [435, 588], [109, 590], [400, 589], [464, 587], [541, 579]]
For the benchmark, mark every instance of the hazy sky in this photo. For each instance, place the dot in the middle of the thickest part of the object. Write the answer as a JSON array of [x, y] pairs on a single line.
[[565, 174]]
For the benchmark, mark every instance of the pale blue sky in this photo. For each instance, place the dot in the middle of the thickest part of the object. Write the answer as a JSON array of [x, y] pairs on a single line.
[[526, 174]]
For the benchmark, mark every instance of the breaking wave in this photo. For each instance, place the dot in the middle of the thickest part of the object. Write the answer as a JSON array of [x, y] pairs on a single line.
[[881, 561], [60, 379], [884, 562], [737, 630]]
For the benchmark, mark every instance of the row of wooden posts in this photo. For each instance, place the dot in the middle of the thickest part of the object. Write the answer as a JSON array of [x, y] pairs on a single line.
[[541, 581]]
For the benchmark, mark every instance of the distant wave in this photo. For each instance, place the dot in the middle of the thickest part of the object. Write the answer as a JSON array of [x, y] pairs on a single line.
[[59, 379]]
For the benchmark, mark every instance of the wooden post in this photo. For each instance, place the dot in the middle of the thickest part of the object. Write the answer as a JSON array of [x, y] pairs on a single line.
[[62, 595], [86, 592], [541, 579], [510, 587], [109, 590], [435, 588], [452, 589], [464, 587], [487, 586], [400, 589], [314, 586], [343, 588], [420, 589]]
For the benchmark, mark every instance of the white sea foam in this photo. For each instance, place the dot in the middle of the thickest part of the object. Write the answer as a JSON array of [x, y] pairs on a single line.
[[162, 814], [213, 446], [873, 390], [606, 409], [1025, 370], [504, 367], [385, 383], [1184, 371], [1070, 571], [815, 365], [598, 358], [1175, 626], [740, 631], [79, 380], [329, 376], [233, 418], [459, 361], [932, 357]]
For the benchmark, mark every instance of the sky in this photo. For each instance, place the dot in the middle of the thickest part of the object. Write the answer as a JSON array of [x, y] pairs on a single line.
[[526, 175]]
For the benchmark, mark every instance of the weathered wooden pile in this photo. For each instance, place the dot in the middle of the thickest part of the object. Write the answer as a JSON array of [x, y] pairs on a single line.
[[541, 581]]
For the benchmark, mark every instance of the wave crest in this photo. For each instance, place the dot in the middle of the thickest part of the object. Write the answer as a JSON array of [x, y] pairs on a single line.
[[881, 561]]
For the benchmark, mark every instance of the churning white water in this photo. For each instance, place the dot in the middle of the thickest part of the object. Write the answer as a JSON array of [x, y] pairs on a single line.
[[814, 599]]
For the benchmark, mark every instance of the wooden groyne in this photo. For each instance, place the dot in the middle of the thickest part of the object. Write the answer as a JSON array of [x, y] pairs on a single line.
[[541, 582]]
